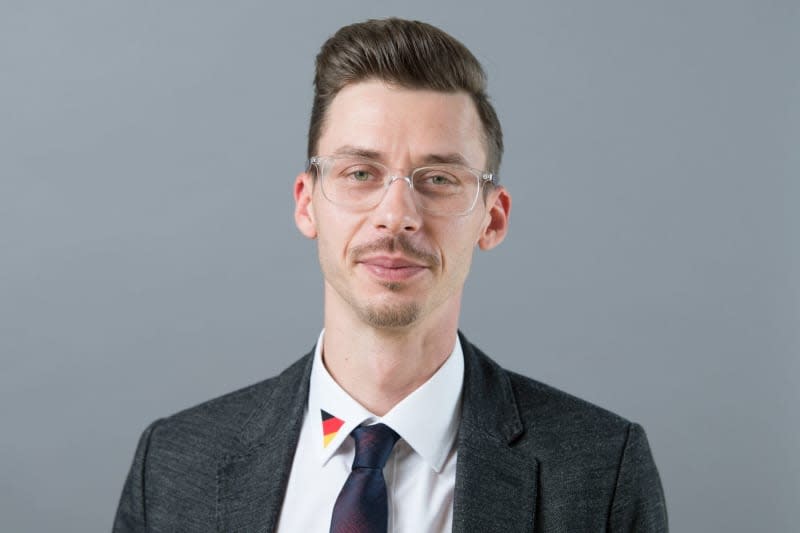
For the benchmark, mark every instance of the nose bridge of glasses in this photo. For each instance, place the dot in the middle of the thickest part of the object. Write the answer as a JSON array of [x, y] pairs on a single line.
[[405, 197], [391, 178]]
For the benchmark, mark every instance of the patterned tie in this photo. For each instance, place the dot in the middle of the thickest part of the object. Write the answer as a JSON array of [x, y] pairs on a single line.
[[361, 506]]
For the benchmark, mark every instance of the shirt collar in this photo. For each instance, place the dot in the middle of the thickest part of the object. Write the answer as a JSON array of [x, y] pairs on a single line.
[[427, 419]]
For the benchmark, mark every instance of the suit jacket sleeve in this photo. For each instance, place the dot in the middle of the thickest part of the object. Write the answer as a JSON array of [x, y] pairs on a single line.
[[131, 513], [638, 504]]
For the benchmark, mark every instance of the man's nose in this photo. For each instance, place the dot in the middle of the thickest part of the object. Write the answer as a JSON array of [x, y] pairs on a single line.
[[397, 211]]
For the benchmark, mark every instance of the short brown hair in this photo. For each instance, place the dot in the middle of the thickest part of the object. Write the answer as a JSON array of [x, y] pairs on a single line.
[[408, 53]]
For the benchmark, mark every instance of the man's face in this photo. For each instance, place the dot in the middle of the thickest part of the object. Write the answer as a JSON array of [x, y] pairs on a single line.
[[394, 265]]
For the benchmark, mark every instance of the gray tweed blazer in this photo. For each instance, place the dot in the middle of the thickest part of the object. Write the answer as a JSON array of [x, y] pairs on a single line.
[[530, 458]]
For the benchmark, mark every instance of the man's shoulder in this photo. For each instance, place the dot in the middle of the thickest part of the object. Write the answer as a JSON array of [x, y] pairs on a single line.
[[585, 457], [553, 418], [551, 404], [180, 458], [214, 426]]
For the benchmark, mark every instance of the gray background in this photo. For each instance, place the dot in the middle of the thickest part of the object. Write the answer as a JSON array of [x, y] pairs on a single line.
[[149, 260]]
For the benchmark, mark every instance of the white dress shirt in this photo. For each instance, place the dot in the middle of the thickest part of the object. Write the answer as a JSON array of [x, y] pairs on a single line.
[[420, 473]]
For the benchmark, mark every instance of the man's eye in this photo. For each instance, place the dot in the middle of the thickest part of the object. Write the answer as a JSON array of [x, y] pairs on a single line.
[[360, 175], [440, 180]]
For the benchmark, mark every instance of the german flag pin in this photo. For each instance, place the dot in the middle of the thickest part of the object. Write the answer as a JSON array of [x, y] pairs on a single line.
[[330, 427]]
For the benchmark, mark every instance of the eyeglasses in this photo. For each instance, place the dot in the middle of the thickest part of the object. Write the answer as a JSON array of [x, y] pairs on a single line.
[[360, 183]]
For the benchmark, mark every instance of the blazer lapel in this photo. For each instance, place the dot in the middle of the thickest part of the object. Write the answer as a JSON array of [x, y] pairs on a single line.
[[496, 484], [252, 480]]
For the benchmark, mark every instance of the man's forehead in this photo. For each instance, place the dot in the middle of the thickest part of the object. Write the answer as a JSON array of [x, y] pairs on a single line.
[[377, 120]]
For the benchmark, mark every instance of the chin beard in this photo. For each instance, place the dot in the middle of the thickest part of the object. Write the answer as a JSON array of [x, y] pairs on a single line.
[[398, 316]]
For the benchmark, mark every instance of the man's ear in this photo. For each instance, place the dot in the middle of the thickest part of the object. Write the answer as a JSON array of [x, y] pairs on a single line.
[[303, 205], [496, 226]]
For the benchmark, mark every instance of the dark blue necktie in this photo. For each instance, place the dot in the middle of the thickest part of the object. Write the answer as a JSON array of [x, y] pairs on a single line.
[[362, 505]]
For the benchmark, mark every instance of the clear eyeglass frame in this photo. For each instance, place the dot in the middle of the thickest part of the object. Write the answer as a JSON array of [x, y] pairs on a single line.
[[322, 165]]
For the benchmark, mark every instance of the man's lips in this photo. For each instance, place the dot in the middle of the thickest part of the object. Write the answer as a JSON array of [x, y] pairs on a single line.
[[392, 268], [391, 262]]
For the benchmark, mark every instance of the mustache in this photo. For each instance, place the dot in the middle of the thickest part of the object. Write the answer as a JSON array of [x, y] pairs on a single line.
[[393, 244]]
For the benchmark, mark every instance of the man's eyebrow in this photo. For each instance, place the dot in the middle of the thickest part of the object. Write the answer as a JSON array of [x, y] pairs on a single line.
[[445, 159], [358, 152], [452, 158]]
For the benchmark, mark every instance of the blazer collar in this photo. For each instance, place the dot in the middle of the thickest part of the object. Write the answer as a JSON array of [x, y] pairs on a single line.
[[252, 478], [496, 483]]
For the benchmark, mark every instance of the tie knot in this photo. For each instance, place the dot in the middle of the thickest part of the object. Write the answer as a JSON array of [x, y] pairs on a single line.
[[373, 445]]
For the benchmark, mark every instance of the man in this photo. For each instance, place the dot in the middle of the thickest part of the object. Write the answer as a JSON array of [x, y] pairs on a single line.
[[395, 422]]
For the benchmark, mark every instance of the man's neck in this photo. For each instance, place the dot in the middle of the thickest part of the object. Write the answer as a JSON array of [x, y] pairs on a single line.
[[380, 367]]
